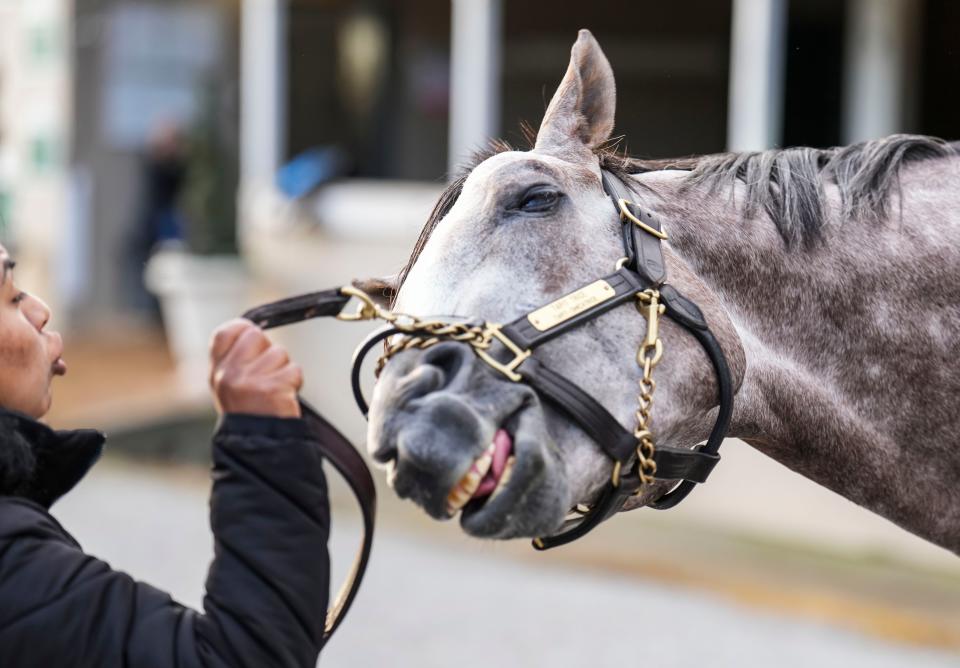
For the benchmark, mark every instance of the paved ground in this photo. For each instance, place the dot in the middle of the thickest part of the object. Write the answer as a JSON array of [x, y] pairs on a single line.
[[439, 604]]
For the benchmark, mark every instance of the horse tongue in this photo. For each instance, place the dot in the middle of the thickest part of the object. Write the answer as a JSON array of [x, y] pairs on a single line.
[[502, 445]]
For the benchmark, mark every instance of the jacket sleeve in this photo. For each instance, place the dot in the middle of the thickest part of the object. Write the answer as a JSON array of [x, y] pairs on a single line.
[[267, 587]]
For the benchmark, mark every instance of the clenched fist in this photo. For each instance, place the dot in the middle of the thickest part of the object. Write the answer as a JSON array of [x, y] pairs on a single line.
[[249, 374]]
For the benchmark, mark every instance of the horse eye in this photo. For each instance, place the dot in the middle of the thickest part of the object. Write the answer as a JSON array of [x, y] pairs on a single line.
[[540, 198]]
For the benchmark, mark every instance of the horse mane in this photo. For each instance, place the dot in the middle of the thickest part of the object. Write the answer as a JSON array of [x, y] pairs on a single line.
[[786, 183]]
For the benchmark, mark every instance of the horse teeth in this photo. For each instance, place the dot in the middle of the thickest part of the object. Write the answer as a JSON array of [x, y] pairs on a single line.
[[483, 464], [464, 490], [504, 477], [391, 472]]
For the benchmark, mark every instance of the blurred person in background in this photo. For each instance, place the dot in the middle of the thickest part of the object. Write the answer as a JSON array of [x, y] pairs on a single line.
[[164, 171], [159, 217], [267, 588]]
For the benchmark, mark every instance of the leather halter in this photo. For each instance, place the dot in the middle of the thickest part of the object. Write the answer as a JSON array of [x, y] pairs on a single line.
[[509, 349]]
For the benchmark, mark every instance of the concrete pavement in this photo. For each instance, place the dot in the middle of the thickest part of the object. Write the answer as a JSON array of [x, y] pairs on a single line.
[[467, 603]]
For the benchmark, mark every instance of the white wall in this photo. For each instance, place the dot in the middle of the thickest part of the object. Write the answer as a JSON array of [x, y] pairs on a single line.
[[35, 118]]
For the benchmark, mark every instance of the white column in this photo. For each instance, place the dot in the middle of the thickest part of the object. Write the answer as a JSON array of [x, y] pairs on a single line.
[[880, 40], [758, 44], [38, 83], [476, 41], [263, 69]]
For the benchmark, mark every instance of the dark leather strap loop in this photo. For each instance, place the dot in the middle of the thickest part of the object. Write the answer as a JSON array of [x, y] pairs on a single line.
[[608, 503], [594, 419], [356, 366], [682, 309], [679, 464], [722, 424]]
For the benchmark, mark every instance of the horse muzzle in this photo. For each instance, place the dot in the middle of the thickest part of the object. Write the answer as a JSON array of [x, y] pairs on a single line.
[[458, 440]]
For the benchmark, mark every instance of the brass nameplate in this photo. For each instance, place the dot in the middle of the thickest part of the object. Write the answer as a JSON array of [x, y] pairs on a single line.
[[574, 304]]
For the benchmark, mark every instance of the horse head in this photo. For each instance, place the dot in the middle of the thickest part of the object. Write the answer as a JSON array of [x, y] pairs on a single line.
[[526, 228]]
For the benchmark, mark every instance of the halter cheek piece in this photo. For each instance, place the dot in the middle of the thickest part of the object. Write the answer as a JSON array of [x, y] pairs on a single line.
[[640, 277]]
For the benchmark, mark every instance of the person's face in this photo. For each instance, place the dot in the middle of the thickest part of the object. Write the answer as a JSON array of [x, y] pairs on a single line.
[[29, 353]]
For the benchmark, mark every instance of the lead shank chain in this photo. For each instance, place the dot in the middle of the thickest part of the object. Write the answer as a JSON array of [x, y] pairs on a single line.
[[418, 333], [648, 356], [430, 332]]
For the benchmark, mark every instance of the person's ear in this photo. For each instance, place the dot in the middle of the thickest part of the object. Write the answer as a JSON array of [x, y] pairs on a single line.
[[381, 290], [580, 115]]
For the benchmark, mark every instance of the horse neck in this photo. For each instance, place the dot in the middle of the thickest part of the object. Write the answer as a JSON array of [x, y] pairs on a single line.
[[851, 346]]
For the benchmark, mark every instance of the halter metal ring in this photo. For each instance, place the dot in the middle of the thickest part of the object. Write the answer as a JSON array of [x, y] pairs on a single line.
[[625, 213]]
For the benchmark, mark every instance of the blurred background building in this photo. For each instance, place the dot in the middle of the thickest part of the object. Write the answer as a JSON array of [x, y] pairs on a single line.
[[400, 92], [276, 146]]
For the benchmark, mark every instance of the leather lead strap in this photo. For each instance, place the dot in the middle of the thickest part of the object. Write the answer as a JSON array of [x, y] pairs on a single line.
[[297, 309], [350, 465], [333, 445]]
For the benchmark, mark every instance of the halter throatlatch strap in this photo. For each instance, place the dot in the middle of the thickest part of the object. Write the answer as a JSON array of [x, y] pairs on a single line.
[[337, 450]]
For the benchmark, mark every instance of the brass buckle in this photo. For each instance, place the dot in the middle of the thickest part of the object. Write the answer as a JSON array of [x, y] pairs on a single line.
[[367, 310], [519, 355], [626, 213]]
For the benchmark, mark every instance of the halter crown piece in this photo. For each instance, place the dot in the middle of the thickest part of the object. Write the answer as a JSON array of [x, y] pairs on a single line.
[[639, 277]]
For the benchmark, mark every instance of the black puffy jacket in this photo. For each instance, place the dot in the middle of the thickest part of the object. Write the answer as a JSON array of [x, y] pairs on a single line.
[[266, 591]]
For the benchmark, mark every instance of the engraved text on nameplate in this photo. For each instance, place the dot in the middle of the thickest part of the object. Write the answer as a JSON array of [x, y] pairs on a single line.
[[571, 305]]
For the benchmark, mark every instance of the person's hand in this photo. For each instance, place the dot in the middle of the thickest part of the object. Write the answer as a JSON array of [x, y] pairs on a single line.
[[249, 374]]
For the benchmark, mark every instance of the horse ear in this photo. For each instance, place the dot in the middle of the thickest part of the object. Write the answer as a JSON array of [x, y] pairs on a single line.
[[581, 111], [381, 290]]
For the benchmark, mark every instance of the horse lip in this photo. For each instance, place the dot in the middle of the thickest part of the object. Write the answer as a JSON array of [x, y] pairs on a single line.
[[476, 521]]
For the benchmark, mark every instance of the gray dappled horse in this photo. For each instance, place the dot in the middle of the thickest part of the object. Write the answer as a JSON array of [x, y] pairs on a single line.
[[830, 277]]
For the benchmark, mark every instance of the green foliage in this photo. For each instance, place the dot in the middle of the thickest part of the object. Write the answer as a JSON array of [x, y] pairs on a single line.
[[210, 192]]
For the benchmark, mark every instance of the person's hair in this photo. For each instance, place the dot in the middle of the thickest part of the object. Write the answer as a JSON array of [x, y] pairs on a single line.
[[18, 462]]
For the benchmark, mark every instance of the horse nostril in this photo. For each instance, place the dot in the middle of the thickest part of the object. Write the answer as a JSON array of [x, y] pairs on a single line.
[[450, 358], [436, 370], [386, 454]]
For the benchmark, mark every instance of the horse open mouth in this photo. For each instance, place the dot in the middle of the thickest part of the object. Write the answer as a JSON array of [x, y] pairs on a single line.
[[486, 478]]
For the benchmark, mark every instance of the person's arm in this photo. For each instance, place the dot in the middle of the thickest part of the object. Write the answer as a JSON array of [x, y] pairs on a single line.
[[267, 587]]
